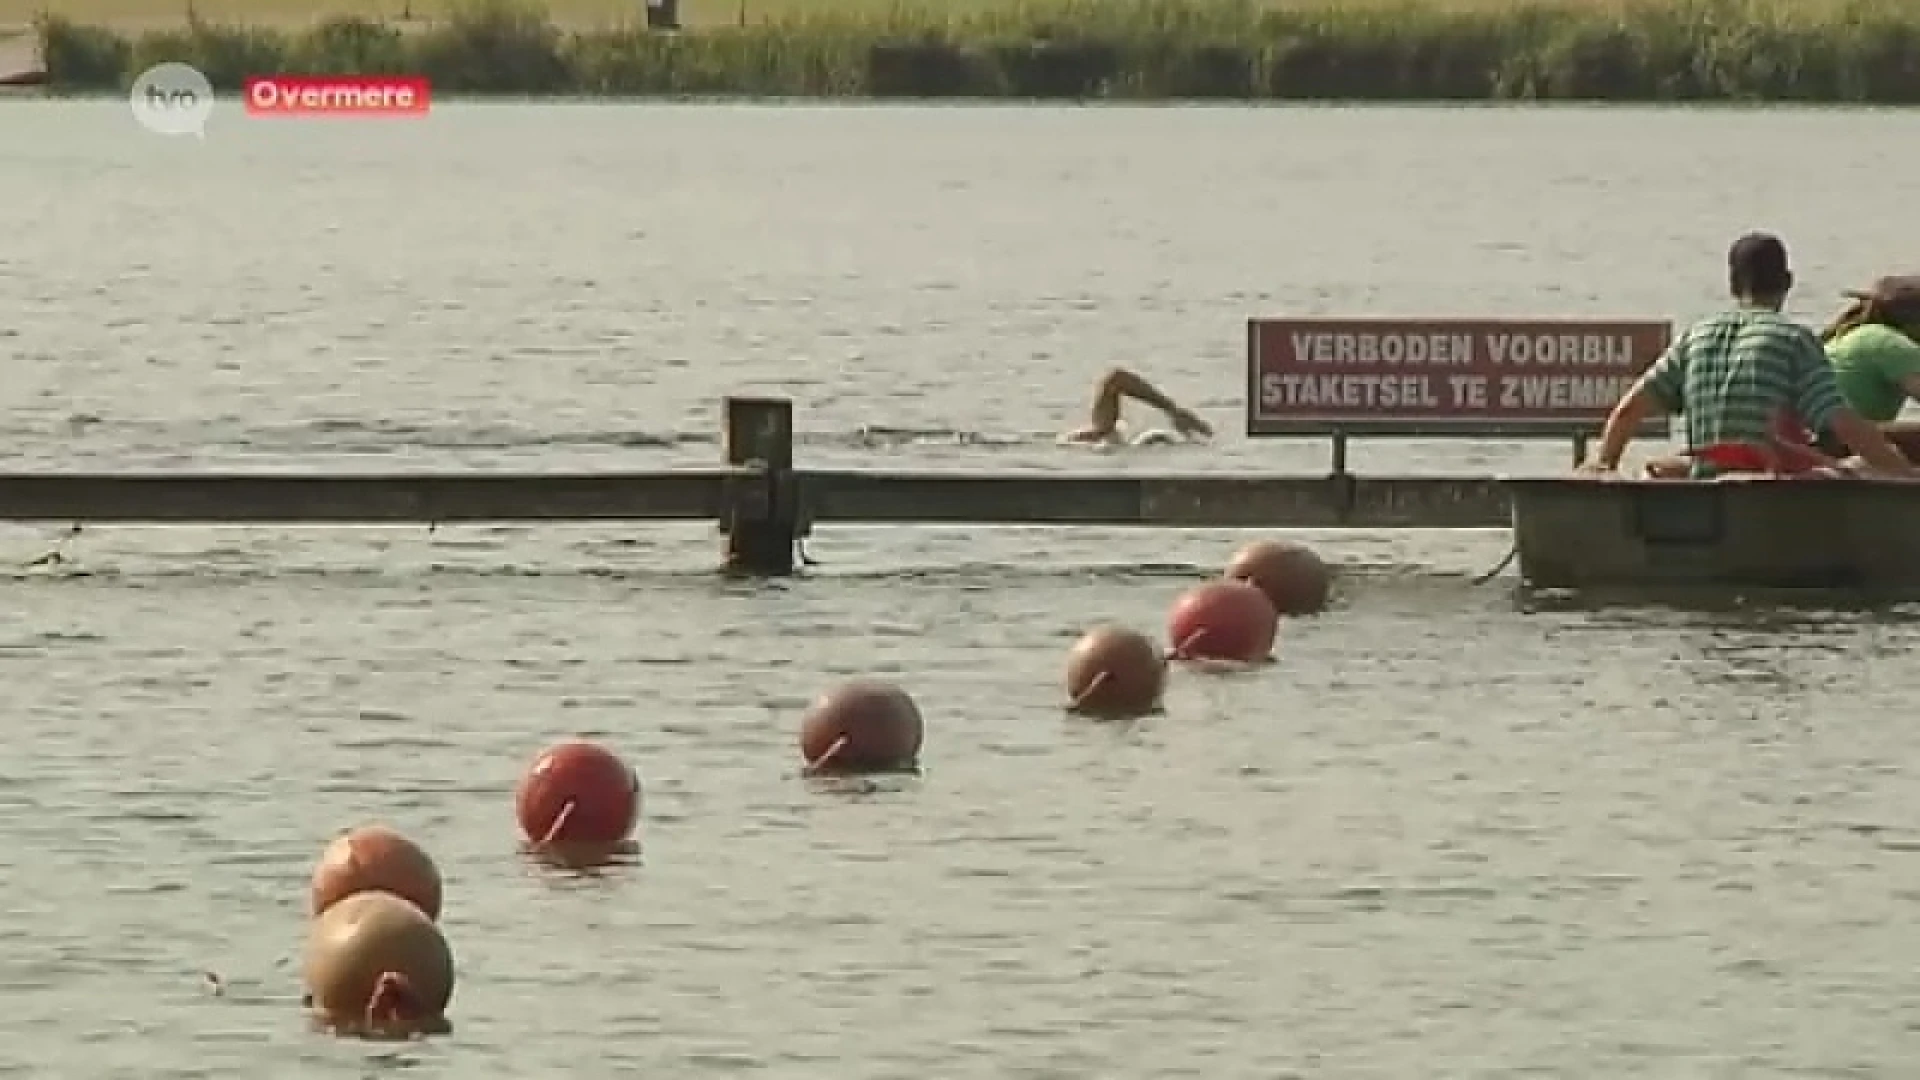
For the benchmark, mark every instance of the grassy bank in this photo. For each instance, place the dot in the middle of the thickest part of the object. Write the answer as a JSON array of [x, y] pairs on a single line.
[[1863, 51], [135, 15]]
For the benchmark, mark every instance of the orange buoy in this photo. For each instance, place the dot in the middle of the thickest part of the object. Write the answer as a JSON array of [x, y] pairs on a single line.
[[1294, 577], [1116, 672], [1223, 620], [375, 857], [862, 726], [578, 793], [376, 965]]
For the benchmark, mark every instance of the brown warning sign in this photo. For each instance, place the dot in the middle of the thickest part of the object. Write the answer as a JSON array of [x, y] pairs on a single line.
[[1439, 376]]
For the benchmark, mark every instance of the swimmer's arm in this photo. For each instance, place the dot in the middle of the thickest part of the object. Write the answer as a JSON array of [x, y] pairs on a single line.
[[1104, 420], [1126, 384], [1184, 419]]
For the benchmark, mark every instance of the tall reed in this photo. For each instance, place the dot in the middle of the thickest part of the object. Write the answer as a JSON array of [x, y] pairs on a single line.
[[1858, 51]]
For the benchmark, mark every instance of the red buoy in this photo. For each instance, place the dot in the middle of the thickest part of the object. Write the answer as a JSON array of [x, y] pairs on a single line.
[[1223, 620], [1115, 672], [578, 793], [1295, 578], [377, 859], [376, 966], [862, 726]]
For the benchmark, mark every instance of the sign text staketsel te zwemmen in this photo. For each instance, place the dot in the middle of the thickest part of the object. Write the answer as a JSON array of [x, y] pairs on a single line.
[[1435, 374]]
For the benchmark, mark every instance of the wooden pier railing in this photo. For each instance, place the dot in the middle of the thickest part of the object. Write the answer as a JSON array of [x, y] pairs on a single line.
[[762, 503], [1449, 377]]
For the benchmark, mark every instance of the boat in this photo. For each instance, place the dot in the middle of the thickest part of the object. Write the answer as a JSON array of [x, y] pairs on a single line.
[[21, 65], [1761, 532]]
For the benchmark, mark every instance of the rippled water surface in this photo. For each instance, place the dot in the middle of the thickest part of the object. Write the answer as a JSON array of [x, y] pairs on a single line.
[[1452, 833]]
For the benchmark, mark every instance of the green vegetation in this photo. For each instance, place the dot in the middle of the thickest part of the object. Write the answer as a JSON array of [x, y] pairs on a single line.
[[1864, 51]]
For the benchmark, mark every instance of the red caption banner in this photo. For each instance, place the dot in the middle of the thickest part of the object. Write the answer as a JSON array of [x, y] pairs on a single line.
[[1434, 374], [337, 95]]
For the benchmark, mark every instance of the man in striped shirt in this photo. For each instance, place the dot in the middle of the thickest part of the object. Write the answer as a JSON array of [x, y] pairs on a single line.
[[1739, 376]]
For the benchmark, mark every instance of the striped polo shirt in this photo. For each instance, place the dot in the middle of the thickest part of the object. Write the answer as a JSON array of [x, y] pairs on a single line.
[[1732, 374]]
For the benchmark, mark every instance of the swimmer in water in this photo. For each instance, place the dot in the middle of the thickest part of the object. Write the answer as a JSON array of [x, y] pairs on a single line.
[[1103, 423]]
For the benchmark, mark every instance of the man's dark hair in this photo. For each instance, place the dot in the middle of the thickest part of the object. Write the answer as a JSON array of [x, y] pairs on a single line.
[[1757, 266]]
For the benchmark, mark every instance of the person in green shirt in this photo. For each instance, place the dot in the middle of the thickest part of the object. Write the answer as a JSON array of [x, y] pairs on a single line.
[[1874, 347]]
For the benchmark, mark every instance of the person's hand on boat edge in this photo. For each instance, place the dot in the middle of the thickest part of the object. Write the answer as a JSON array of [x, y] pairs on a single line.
[[1859, 469], [1847, 468]]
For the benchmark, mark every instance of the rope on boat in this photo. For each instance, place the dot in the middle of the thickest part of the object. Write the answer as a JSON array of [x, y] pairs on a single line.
[[57, 554], [1505, 561]]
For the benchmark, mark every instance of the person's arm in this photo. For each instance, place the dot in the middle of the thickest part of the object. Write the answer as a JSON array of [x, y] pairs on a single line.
[[1818, 401], [1662, 389], [1121, 383], [1865, 438]]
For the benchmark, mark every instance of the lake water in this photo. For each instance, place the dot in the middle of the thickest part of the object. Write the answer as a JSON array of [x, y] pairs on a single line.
[[1449, 834]]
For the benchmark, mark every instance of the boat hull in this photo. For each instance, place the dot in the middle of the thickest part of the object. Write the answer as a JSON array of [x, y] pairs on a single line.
[[1577, 533]]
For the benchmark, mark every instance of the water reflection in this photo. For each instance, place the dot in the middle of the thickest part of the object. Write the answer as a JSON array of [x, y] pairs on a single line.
[[1764, 644], [1784, 609]]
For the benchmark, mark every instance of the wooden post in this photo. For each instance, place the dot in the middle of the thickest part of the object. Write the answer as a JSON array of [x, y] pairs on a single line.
[[762, 519], [1339, 452]]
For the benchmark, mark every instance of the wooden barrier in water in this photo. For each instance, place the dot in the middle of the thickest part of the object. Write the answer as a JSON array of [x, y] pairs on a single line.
[[1326, 377], [763, 504]]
